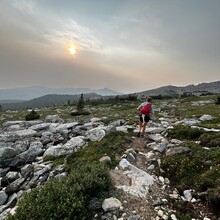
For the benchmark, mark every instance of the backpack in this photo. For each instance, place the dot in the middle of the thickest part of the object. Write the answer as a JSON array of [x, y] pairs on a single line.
[[146, 109]]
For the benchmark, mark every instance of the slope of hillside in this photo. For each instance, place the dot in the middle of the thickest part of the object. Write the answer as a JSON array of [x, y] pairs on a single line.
[[212, 87], [28, 93], [47, 100]]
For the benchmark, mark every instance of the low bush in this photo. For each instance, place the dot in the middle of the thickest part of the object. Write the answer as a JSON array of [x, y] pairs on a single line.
[[217, 102], [111, 145], [82, 112], [210, 139], [214, 198], [185, 133], [210, 179], [32, 116], [184, 210], [199, 170], [186, 168], [66, 199]]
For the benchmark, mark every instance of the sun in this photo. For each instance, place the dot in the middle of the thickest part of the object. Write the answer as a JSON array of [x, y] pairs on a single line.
[[72, 50]]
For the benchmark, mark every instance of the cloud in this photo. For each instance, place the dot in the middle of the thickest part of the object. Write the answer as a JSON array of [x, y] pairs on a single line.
[[27, 6], [69, 32]]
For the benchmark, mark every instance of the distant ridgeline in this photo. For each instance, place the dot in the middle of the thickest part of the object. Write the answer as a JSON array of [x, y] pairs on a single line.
[[159, 93], [174, 91]]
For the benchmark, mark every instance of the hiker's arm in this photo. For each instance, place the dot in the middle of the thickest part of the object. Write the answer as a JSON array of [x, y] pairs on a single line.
[[139, 107]]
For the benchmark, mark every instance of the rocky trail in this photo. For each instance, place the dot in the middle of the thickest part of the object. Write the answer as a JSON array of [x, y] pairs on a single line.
[[142, 201], [142, 191]]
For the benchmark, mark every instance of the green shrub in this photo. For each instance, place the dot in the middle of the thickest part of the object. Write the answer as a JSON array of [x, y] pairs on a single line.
[[111, 145], [81, 103], [66, 199], [210, 139], [217, 102], [81, 112], [32, 116], [183, 170], [210, 179], [185, 133], [184, 210], [193, 171], [214, 198]]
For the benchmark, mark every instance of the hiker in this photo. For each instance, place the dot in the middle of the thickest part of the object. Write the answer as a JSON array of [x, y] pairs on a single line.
[[146, 114]]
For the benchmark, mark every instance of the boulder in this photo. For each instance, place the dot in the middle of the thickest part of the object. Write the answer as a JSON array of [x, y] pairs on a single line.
[[177, 150], [95, 134], [206, 118], [39, 127], [140, 181], [160, 147], [71, 146], [13, 136], [3, 197], [27, 171], [53, 119], [155, 137]]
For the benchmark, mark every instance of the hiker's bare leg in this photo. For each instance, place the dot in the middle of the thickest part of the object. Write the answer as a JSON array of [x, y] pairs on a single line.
[[140, 126], [143, 127]]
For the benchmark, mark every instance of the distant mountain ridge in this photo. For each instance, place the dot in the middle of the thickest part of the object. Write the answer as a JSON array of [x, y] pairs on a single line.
[[27, 93], [212, 87], [59, 99], [47, 101]]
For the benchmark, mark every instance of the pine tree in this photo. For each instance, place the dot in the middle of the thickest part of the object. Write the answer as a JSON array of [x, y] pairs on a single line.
[[218, 100], [81, 103]]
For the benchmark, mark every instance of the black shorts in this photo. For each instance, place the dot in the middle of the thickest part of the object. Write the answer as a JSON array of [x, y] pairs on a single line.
[[145, 118]]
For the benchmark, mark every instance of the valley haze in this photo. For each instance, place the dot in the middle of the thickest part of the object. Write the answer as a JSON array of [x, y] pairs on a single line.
[[128, 46], [45, 97]]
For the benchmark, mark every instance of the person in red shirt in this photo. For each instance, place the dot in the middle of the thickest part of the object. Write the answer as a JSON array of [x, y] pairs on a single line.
[[146, 113]]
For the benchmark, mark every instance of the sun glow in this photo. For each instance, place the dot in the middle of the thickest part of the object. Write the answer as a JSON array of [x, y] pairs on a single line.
[[72, 50]]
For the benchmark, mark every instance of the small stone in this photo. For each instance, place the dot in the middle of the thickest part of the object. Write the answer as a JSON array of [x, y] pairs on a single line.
[[187, 194], [114, 217], [134, 217], [193, 200], [166, 181], [105, 159], [123, 215], [165, 217], [160, 213], [111, 204], [173, 217], [151, 167], [161, 179]]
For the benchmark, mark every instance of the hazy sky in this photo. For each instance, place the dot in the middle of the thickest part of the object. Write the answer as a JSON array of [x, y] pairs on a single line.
[[125, 45]]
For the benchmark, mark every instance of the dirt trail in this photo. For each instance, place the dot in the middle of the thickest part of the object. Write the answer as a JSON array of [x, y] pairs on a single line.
[[136, 205]]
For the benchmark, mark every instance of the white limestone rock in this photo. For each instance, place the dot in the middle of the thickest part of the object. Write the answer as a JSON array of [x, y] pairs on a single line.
[[140, 180], [71, 146], [53, 119], [95, 134], [12, 136], [111, 204]]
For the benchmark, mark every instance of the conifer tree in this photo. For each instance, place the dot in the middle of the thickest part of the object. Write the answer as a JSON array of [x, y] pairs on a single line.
[[81, 103]]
